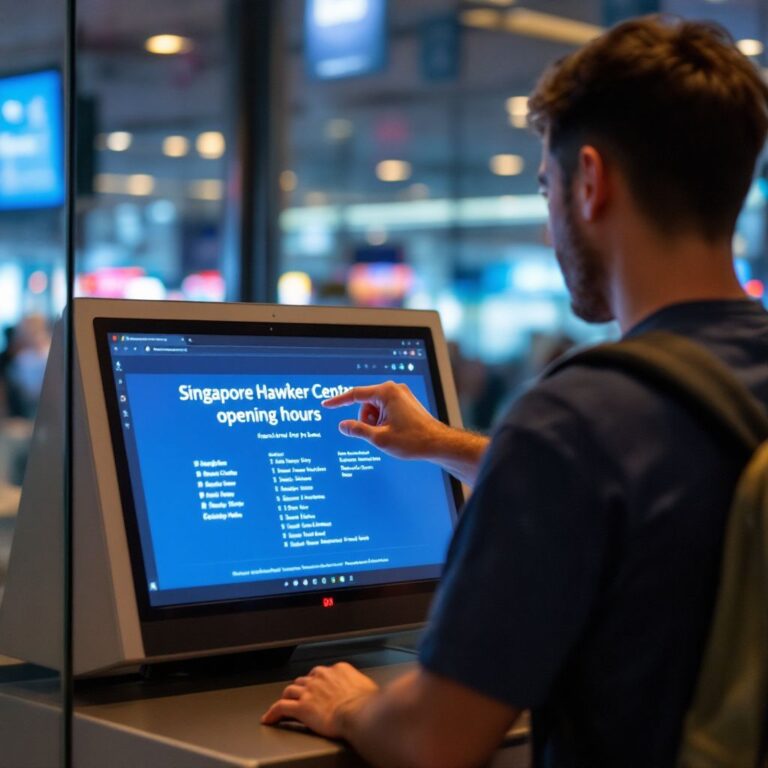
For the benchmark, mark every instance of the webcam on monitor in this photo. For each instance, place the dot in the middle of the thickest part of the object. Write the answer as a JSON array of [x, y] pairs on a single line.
[[216, 506]]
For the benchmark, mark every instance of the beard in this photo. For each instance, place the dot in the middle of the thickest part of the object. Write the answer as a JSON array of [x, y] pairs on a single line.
[[583, 270]]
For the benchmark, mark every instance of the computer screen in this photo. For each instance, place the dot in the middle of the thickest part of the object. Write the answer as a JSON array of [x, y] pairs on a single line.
[[31, 141], [236, 482]]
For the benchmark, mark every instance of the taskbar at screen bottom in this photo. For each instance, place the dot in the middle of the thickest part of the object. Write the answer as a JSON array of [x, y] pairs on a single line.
[[292, 584]]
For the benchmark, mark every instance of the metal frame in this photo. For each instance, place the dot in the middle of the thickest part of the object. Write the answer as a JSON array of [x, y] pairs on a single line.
[[250, 255]]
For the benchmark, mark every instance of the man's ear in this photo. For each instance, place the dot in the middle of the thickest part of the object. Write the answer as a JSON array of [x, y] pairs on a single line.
[[591, 183]]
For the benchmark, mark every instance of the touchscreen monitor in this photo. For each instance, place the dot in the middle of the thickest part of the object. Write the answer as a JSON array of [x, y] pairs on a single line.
[[235, 481]]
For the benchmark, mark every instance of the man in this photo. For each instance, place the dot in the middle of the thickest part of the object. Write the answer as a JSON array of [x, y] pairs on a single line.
[[581, 579]]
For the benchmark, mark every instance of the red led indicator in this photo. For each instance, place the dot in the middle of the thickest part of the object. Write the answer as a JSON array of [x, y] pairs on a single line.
[[327, 602]]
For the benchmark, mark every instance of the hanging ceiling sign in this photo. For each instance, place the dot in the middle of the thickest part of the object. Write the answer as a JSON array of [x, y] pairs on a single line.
[[345, 38]]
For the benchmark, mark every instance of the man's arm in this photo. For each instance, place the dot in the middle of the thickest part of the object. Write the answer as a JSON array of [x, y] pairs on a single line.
[[420, 720], [393, 419]]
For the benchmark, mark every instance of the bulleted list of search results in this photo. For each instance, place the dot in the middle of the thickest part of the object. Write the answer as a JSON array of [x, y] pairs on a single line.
[[216, 483]]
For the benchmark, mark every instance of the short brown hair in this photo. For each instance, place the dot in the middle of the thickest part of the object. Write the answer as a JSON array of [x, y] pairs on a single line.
[[675, 104]]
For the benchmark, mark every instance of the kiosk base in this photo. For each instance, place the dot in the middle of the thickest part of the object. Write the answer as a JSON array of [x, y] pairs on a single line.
[[199, 722]]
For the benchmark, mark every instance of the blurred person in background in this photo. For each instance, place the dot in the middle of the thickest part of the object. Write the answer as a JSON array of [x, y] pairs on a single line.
[[582, 575], [24, 365], [479, 387]]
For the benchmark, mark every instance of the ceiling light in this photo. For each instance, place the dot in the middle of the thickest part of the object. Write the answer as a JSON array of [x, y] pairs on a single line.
[[294, 288], [140, 184], [750, 47], [288, 181], [482, 18], [522, 21], [206, 189], [517, 105], [517, 109], [339, 129], [168, 45], [118, 141], [547, 26], [175, 146], [210, 145], [507, 165], [393, 170]]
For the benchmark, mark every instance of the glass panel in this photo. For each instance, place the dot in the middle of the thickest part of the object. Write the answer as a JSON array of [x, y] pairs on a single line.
[[415, 184], [33, 404], [153, 151]]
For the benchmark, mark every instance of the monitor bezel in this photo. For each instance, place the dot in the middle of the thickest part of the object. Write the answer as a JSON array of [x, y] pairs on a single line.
[[152, 616]]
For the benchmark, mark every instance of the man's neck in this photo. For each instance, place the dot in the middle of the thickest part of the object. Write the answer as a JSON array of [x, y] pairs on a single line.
[[650, 274]]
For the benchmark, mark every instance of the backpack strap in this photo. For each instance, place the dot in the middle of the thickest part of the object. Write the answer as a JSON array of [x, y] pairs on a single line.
[[725, 724], [689, 372]]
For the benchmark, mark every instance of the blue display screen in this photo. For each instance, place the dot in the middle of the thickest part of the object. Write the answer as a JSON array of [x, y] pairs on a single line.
[[345, 38], [242, 484], [31, 141]]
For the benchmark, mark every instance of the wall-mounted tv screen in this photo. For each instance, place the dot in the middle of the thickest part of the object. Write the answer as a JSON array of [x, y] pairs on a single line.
[[31, 141], [345, 38]]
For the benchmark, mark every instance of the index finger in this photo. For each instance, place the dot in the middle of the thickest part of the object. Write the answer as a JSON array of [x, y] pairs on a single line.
[[367, 394], [280, 709]]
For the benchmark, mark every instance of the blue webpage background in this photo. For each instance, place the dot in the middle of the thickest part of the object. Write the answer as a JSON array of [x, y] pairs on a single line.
[[393, 515]]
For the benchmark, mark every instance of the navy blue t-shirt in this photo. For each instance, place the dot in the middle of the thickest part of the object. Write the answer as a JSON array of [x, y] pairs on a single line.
[[581, 579]]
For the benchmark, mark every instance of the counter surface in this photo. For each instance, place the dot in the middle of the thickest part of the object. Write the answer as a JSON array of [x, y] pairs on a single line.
[[211, 722]]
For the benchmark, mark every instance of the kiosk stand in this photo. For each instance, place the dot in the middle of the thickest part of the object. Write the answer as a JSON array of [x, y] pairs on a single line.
[[219, 513]]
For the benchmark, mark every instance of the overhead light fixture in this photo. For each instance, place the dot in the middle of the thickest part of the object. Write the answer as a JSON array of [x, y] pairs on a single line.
[[482, 18], [518, 105], [206, 189], [517, 109], [210, 145], [294, 288], [507, 165], [750, 47], [118, 141], [168, 45], [140, 184], [522, 21], [175, 146], [547, 26], [393, 170], [288, 181]]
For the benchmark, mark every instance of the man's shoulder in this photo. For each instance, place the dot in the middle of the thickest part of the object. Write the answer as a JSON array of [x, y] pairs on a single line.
[[615, 409], [581, 397]]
